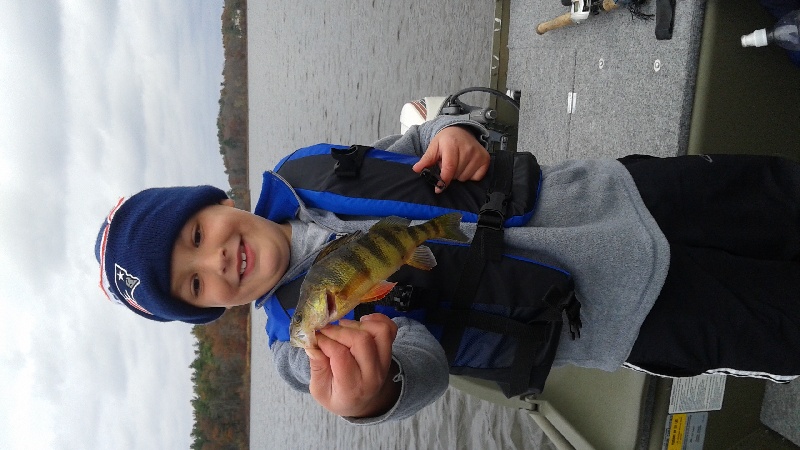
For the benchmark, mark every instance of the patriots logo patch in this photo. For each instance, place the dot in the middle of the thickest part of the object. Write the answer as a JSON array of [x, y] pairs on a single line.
[[126, 284]]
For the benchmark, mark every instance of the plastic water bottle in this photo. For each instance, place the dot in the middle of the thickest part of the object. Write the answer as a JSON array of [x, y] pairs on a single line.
[[785, 33]]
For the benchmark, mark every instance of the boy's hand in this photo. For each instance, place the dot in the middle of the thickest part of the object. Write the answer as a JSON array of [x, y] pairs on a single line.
[[459, 155], [350, 372]]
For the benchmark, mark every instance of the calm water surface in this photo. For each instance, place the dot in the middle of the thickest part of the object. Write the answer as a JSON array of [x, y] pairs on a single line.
[[339, 71]]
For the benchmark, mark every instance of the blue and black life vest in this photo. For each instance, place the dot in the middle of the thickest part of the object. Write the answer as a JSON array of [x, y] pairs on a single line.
[[501, 321]]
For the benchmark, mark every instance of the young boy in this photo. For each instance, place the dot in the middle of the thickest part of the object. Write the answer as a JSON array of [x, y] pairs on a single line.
[[682, 266]]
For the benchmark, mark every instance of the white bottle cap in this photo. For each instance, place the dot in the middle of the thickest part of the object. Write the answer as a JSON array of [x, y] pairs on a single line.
[[757, 38]]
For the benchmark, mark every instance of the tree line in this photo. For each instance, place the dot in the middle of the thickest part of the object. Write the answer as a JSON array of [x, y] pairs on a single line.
[[221, 368]]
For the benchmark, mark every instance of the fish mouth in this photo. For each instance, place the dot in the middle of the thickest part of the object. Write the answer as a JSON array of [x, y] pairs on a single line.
[[330, 299], [302, 339]]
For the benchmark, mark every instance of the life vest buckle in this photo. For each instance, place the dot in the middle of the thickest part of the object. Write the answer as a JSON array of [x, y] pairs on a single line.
[[401, 297], [433, 178], [348, 160], [573, 311], [492, 213]]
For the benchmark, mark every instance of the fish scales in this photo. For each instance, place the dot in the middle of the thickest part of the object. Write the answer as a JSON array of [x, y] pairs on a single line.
[[353, 269], [374, 250], [347, 264], [390, 237], [370, 262], [415, 232]]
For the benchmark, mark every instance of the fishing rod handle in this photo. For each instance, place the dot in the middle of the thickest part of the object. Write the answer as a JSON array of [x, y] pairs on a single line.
[[566, 19], [559, 22]]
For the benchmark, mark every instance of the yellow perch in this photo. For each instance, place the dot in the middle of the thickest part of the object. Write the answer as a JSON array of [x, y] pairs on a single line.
[[353, 269]]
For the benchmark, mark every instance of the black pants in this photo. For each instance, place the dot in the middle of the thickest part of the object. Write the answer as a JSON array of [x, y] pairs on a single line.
[[731, 299]]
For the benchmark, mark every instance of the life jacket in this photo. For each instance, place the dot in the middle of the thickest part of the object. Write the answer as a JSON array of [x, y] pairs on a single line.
[[508, 332]]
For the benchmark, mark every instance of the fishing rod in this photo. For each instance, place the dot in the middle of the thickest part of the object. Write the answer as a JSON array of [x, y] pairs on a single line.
[[580, 10]]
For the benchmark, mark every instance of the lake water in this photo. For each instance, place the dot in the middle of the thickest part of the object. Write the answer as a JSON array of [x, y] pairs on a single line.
[[339, 71]]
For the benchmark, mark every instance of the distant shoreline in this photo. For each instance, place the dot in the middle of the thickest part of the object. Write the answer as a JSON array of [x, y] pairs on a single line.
[[232, 122], [221, 369]]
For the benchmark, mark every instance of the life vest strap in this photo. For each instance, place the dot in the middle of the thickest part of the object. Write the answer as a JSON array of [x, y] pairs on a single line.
[[531, 339], [349, 160], [487, 245]]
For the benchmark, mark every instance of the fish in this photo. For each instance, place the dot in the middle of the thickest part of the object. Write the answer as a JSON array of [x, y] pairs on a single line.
[[353, 269]]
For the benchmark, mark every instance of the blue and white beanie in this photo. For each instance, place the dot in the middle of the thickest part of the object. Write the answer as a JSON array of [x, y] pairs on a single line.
[[134, 249]]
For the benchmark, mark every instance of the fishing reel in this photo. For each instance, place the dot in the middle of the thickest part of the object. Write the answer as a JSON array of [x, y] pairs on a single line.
[[581, 9]]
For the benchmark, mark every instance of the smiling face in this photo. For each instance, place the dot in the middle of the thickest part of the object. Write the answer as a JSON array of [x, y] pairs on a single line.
[[224, 256]]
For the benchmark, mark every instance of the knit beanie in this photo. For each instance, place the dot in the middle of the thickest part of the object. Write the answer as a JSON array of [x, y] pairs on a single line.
[[134, 249]]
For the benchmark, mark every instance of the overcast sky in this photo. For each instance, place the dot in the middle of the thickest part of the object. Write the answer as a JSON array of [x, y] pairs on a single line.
[[98, 99]]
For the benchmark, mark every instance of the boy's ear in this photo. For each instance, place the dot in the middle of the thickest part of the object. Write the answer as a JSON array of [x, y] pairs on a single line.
[[226, 202]]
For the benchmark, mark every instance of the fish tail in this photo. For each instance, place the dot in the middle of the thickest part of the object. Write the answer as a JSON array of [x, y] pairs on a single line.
[[447, 227]]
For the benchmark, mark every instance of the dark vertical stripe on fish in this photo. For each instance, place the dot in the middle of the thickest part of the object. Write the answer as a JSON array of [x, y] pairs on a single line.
[[357, 261], [375, 250], [390, 236], [414, 232], [431, 228], [437, 228]]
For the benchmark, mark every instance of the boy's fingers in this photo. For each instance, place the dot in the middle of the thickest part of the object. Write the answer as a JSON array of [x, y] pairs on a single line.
[[347, 323], [369, 343], [383, 332], [314, 354], [480, 172], [428, 159], [449, 167], [348, 335], [474, 170], [341, 362], [354, 369], [319, 363], [380, 325]]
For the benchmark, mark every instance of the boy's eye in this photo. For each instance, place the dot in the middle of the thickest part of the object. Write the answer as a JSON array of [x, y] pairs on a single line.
[[195, 285], [196, 237]]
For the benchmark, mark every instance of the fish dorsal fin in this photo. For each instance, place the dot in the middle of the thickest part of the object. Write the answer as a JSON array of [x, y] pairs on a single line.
[[422, 258], [336, 244], [391, 221]]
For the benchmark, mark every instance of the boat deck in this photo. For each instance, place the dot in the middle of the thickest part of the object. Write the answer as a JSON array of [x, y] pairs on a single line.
[[608, 88]]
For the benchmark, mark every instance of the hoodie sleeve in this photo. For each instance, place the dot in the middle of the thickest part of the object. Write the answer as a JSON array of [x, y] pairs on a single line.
[[416, 140], [422, 362]]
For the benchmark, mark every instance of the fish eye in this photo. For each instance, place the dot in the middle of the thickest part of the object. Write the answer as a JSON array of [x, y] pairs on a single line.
[[297, 318]]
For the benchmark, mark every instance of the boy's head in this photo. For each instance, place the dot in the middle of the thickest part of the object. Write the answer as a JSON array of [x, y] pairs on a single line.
[[134, 249]]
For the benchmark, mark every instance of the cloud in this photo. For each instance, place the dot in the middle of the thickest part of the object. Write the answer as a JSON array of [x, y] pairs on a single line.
[[100, 100], [31, 128]]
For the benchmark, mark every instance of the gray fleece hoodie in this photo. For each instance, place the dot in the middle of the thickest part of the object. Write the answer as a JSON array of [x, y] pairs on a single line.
[[590, 220]]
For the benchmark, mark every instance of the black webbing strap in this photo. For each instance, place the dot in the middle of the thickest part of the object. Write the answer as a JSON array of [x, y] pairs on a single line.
[[487, 245], [527, 335], [349, 160]]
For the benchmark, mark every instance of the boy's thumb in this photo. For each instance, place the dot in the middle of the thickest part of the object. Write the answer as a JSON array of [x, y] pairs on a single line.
[[318, 363], [314, 354], [321, 376]]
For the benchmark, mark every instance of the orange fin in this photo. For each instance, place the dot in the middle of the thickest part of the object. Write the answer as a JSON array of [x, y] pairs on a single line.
[[422, 258], [378, 291]]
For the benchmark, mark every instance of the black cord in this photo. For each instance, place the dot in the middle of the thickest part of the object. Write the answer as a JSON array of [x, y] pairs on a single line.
[[454, 97]]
